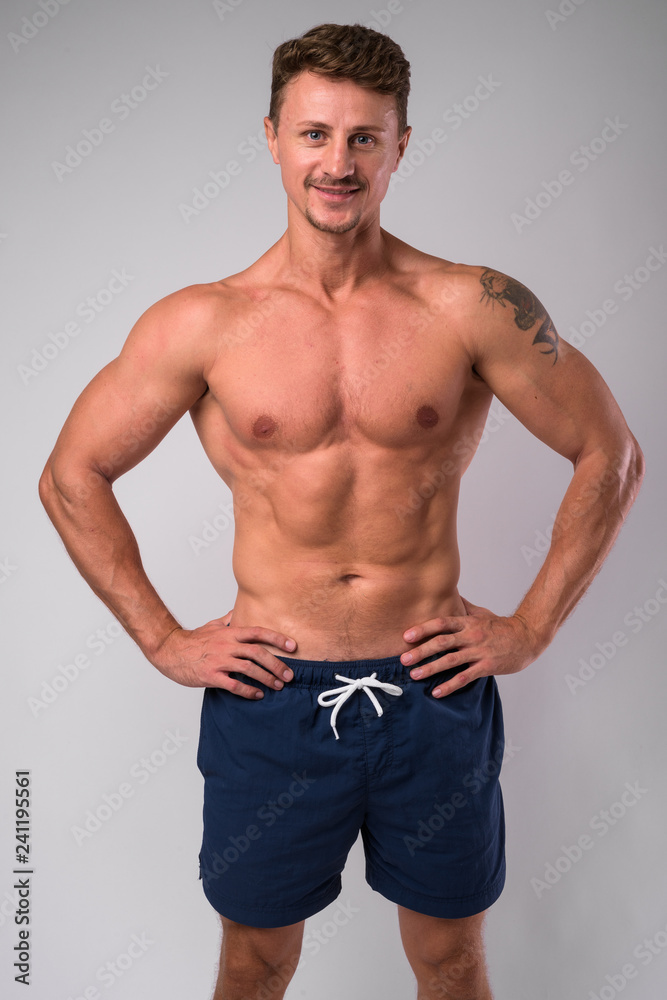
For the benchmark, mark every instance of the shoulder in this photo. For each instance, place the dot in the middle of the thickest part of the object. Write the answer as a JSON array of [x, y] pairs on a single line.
[[492, 311], [184, 326]]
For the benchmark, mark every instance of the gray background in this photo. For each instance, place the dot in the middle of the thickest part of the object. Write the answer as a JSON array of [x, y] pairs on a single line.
[[555, 81]]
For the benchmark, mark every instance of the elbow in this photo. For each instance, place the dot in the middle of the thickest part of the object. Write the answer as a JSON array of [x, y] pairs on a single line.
[[47, 486], [636, 466]]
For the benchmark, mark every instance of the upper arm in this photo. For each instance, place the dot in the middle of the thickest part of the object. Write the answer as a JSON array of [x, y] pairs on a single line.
[[544, 381], [135, 400]]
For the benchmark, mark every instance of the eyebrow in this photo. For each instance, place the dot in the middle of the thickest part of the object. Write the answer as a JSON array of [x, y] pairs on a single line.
[[357, 128]]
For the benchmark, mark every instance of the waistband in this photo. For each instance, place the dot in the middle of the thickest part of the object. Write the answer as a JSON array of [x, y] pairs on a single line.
[[322, 673]]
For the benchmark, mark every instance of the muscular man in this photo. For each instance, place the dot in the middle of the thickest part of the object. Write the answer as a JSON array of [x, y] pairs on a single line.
[[336, 385]]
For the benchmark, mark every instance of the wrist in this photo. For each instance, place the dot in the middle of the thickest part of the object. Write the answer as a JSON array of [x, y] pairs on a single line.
[[154, 650], [538, 635]]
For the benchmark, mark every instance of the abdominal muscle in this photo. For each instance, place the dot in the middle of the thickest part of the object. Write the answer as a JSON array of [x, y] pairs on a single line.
[[344, 576]]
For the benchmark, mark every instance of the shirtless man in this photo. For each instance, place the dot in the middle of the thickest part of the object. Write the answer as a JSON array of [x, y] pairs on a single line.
[[331, 383]]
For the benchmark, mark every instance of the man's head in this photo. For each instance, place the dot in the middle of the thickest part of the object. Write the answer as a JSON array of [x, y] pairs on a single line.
[[344, 52], [337, 123]]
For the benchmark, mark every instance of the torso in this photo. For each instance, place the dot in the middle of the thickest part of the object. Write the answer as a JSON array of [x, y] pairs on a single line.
[[343, 432]]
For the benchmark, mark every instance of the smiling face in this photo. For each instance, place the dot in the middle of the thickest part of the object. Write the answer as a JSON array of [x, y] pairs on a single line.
[[337, 145]]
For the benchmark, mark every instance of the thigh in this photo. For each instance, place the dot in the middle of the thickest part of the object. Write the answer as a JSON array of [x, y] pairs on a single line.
[[438, 940], [271, 945]]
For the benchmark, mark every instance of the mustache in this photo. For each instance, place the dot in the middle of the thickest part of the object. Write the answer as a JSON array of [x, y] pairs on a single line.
[[350, 182]]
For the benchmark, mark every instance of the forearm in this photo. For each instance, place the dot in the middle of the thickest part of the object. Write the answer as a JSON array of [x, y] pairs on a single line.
[[597, 501], [102, 546]]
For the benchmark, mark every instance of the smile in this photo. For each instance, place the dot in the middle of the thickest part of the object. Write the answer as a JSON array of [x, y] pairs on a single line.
[[336, 194]]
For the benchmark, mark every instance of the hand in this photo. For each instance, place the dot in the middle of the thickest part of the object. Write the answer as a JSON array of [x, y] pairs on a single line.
[[205, 657], [488, 643]]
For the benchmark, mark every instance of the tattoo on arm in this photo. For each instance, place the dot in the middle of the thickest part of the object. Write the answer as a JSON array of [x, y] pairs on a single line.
[[528, 309]]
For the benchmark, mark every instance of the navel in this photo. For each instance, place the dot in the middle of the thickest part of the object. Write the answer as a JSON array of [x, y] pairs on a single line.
[[427, 416], [264, 426]]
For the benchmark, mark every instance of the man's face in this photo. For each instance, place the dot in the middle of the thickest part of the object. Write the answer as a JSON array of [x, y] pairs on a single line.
[[337, 146]]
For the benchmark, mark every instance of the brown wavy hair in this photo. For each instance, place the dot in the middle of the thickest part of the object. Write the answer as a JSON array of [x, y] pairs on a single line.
[[344, 52]]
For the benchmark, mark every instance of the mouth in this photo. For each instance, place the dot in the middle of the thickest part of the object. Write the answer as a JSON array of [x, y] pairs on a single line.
[[336, 195]]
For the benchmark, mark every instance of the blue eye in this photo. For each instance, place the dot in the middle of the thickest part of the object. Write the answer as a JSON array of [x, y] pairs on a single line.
[[366, 139], [314, 135]]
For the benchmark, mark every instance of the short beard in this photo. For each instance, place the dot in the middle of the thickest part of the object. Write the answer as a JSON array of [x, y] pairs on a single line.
[[324, 227]]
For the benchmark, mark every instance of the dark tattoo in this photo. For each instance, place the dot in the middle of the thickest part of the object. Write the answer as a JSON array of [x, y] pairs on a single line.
[[528, 309]]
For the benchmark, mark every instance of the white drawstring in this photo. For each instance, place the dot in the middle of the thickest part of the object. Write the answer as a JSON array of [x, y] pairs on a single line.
[[338, 696]]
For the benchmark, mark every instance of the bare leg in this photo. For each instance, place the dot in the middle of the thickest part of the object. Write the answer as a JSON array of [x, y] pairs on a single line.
[[257, 962], [447, 956]]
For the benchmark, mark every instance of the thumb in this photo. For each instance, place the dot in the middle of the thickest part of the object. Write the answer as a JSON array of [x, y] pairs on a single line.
[[473, 609]]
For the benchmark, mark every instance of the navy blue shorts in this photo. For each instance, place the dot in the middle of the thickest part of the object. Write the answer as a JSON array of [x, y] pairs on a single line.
[[284, 799]]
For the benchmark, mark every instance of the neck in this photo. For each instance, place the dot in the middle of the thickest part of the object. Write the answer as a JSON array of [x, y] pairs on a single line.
[[334, 264]]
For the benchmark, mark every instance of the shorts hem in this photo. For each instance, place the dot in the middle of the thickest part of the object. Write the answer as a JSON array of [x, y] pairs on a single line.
[[265, 917], [435, 906]]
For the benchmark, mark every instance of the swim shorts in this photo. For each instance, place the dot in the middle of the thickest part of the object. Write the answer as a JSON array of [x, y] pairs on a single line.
[[349, 746]]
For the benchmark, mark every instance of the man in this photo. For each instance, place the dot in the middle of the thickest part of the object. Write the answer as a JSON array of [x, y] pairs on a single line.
[[338, 378]]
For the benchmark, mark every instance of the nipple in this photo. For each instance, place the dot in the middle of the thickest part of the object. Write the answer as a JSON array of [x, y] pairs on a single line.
[[264, 426], [427, 416]]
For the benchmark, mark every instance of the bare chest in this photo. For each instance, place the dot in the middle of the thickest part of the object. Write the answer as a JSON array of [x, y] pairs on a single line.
[[394, 376]]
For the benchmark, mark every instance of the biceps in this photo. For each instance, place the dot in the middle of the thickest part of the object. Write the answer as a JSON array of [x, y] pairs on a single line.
[[568, 405]]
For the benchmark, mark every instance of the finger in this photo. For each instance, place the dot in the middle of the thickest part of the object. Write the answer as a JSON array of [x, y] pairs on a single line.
[[234, 686], [475, 609], [455, 683], [257, 633], [263, 672], [441, 643], [266, 659], [434, 625]]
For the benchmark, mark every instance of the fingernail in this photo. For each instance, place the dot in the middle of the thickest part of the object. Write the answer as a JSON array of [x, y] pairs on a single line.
[[277, 683], [416, 674], [290, 644], [437, 692], [259, 694], [287, 674], [409, 635], [407, 657]]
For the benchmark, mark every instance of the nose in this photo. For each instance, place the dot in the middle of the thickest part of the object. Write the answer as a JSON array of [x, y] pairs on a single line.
[[337, 158]]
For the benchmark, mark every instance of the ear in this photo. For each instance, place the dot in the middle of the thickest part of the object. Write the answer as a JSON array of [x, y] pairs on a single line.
[[272, 139], [402, 146]]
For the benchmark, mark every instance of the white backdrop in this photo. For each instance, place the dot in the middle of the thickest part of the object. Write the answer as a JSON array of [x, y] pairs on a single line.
[[133, 167]]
